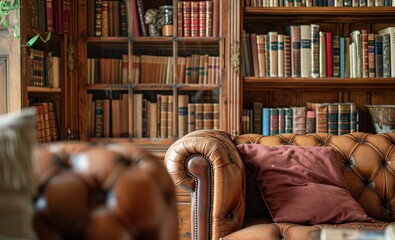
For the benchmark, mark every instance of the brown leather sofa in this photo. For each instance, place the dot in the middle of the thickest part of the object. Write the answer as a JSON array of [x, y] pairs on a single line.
[[103, 191], [227, 204]]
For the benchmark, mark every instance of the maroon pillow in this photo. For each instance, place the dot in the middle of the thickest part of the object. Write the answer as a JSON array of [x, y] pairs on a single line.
[[302, 184]]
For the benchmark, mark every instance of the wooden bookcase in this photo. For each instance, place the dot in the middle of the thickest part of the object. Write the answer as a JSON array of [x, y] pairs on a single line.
[[155, 60], [43, 82], [291, 91]]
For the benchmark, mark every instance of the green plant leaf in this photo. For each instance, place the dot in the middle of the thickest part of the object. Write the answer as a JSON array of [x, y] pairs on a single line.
[[32, 40]]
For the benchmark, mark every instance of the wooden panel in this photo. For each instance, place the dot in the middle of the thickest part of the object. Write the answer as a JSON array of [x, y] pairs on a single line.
[[318, 96], [184, 220]]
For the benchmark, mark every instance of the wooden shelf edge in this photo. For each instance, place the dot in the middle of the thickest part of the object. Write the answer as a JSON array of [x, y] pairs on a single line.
[[328, 11], [34, 89], [254, 83]]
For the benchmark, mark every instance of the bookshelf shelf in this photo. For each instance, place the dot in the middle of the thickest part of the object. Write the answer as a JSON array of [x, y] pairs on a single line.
[[254, 83], [108, 87], [331, 26], [322, 14], [33, 89]]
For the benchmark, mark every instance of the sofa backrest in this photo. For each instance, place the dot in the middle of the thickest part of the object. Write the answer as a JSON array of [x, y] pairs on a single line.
[[367, 162]]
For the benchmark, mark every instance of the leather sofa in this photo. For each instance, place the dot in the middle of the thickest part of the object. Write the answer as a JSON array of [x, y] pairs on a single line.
[[226, 200], [103, 191]]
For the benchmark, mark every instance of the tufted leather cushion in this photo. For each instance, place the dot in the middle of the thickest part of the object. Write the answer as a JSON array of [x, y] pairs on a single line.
[[296, 182], [103, 191]]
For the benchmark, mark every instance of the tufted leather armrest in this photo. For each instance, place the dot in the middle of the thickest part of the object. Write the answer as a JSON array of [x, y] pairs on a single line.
[[207, 164], [103, 191]]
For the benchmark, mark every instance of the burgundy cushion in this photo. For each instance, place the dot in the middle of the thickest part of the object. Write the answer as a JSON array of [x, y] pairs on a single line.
[[302, 184]]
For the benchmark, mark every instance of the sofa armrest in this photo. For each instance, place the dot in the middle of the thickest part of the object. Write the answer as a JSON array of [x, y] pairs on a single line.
[[207, 164]]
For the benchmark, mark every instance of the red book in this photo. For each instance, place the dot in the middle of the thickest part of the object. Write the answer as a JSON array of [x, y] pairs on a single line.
[[202, 19], [328, 54], [66, 16], [216, 18], [194, 19], [141, 12], [186, 16], [58, 14], [49, 11], [136, 28]]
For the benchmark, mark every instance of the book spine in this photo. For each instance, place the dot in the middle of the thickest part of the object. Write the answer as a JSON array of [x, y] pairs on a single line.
[[321, 117], [191, 117], [164, 104], [202, 19], [343, 119], [336, 56], [287, 56], [209, 19], [288, 120], [281, 120], [208, 116], [273, 52], [186, 16], [170, 116], [329, 70], [353, 117], [261, 55], [346, 57], [265, 121], [123, 18], [378, 54], [295, 50], [341, 57], [257, 115], [332, 118], [199, 116], [365, 56], [386, 56], [357, 39], [180, 19], [182, 115], [194, 19], [141, 12], [280, 56], [273, 130], [315, 40], [310, 121], [371, 64], [322, 53], [216, 18], [267, 54], [216, 115], [305, 51], [299, 120]]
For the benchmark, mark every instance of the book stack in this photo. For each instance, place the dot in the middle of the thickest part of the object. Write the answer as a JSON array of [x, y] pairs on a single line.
[[46, 122], [107, 18], [319, 3], [198, 18], [334, 118], [306, 51]]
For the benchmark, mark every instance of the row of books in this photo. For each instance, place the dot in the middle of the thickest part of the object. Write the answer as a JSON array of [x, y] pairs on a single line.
[[49, 15], [44, 68], [46, 122], [333, 118], [198, 18], [197, 68], [318, 3], [305, 51], [151, 119], [107, 18]]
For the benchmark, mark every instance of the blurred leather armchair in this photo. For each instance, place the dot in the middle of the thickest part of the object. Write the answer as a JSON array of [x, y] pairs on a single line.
[[103, 191]]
